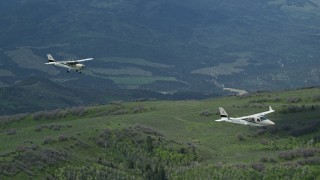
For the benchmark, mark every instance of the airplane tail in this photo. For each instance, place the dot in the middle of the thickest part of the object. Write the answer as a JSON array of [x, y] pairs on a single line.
[[270, 109], [50, 58], [223, 114]]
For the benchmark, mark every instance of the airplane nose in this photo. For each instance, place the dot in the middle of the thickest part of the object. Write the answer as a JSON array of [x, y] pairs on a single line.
[[268, 122]]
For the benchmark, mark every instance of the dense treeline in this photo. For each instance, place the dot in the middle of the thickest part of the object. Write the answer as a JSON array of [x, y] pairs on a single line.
[[137, 152], [30, 159], [250, 171]]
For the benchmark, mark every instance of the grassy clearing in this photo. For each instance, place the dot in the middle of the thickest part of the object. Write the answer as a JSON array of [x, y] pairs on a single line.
[[24, 57], [135, 61], [223, 68], [128, 71]]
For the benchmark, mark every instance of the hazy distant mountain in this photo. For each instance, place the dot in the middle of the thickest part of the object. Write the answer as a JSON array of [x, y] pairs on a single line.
[[164, 45]]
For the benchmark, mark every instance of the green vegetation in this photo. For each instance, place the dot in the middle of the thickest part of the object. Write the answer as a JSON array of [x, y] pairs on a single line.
[[135, 61], [166, 140], [223, 68], [139, 80]]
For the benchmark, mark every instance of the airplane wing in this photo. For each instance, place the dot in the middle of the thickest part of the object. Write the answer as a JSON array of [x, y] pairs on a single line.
[[58, 64], [73, 61], [260, 114], [266, 112], [81, 60]]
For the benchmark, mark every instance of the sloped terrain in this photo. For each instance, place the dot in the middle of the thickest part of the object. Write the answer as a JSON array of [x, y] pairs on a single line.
[[166, 140]]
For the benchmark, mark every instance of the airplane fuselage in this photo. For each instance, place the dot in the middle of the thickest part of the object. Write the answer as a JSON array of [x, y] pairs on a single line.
[[265, 122], [75, 66], [257, 119], [71, 64]]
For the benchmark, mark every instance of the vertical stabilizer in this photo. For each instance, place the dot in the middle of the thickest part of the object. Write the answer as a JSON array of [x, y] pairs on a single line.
[[223, 113], [50, 58]]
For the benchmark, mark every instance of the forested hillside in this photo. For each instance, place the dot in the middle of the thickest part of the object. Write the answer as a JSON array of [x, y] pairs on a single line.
[[166, 140]]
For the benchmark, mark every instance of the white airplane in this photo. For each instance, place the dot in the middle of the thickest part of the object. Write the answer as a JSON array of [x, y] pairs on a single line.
[[71, 64], [258, 119]]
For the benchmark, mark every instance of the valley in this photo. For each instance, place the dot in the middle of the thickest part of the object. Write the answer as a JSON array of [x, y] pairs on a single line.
[[170, 44]]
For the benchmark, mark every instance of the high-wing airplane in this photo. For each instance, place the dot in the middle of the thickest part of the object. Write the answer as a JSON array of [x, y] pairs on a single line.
[[258, 119], [71, 64]]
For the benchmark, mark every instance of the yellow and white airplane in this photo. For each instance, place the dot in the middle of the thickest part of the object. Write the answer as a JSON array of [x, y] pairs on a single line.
[[71, 64], [258, 119]]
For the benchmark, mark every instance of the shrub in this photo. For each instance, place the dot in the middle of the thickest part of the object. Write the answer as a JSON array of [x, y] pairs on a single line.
[[138, 109], [10, 131], [273, 129], [49, 140], [206, 113], [116, 102], [286, 128], [119, 112], [38, 129], [101, 142], [273, 160], [260, 132], [258, 166], [264, 159], [38, 115], [316, 98], [148, 130], [294, 109], [81, 143], [20, 149], [288, 155], [314, 161], [12, 118], [316, 139], [55, 127], [240, 137], [294, 99], [264, 141], [305, 153], [62, 138], [78, 111], [303, 130]]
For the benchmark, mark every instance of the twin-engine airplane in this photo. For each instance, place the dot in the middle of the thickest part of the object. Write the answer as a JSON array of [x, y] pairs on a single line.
[[258, 119], [71, 64]]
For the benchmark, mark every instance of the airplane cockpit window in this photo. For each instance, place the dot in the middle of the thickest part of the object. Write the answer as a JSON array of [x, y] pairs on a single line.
[[249, 120], [263, 118]]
